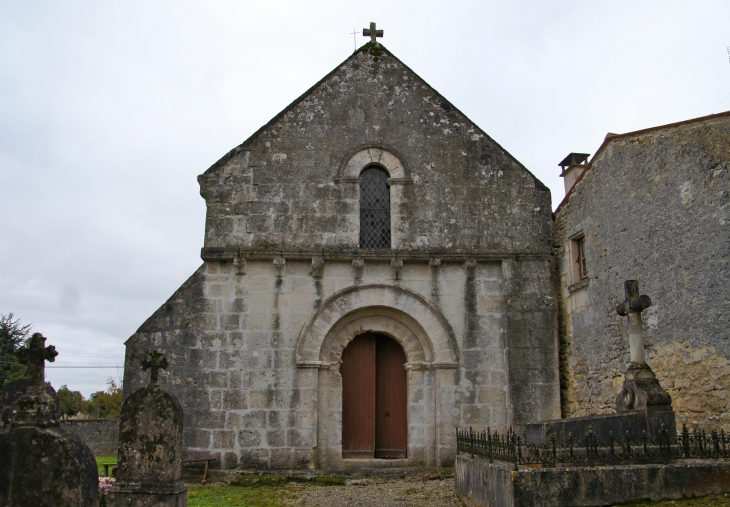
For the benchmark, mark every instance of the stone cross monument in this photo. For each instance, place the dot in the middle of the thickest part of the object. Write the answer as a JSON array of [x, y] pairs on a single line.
[[372, 33], [34, 357], [150, 445], [642, 404], [641, 389], [154, 360], [37, 406], [41, 464]]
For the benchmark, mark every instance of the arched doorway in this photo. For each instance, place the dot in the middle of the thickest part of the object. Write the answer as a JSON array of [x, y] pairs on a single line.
[[374, 398], [431, 368]]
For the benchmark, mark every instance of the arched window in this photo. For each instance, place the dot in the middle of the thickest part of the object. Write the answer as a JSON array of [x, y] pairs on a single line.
[[374, 208]]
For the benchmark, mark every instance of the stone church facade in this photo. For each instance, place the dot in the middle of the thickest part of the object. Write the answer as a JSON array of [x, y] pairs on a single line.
[[376, 272]]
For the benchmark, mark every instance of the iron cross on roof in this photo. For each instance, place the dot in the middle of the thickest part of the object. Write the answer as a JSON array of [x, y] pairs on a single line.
[[372, 33], [154, 359], [34, 356]]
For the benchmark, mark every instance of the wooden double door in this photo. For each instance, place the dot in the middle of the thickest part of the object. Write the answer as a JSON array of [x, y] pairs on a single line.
[[374, 398]]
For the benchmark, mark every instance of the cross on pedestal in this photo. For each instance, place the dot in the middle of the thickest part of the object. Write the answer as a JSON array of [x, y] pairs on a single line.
[[154, 359], [34, 356], [641, 389], [372, 33], [632, 307]]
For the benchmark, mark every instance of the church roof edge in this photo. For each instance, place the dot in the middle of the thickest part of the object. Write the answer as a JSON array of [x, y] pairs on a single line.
[[610, 137], [291, 106]]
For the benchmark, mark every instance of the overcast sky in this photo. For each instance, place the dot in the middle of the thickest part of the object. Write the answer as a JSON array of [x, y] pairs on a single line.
[[109, 110]]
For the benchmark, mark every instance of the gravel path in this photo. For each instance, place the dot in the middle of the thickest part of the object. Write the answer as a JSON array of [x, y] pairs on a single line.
[[416, 491]]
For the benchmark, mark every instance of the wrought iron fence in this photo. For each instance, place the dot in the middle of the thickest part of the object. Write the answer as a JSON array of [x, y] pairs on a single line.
[[629, 449]]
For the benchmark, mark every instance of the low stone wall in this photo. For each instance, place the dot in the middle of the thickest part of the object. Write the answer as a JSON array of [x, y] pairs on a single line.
[[480, 483], [101, 435]]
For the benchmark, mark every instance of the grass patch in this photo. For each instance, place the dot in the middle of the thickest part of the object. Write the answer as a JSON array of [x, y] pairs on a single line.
[[329, 481], [224, 495], [100, 460]]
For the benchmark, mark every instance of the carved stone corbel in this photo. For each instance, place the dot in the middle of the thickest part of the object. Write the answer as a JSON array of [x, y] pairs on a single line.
[[396, 267], [280, 266], [358, 266], [239, 265], [317, 266]]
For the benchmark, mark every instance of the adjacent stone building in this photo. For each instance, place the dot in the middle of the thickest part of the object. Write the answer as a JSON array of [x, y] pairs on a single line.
[[654, 206], [376, 271]]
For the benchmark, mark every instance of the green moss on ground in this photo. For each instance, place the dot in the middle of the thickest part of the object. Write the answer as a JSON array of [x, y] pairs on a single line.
[[272, 491], [254, 481], [224, 495], [721, 500]]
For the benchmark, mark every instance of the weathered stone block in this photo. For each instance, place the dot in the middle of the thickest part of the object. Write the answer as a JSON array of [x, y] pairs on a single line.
[[253, 458], [281, 458], [262, 399], [210, 420], [224, 439], [276, 438], [234, 399], [249, 438], [253, 419]]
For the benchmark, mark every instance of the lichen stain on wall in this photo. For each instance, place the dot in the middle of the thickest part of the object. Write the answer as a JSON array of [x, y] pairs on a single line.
[[698, 379]]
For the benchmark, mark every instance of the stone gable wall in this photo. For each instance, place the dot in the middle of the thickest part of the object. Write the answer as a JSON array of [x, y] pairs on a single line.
[[287, 186], [654, 207]]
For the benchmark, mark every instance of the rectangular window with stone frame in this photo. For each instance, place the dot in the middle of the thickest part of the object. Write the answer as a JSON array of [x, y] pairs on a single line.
[[578, 257]]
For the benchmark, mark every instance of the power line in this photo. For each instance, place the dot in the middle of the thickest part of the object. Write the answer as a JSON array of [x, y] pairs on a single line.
[[66, 356], [85, 366]]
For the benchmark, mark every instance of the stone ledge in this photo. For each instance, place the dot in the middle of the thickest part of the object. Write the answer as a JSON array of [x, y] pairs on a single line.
[[370, 463], [444, 365], [230, 253]]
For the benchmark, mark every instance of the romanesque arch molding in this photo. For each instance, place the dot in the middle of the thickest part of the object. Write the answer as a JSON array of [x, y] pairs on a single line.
[[424, 334], [369, 156]]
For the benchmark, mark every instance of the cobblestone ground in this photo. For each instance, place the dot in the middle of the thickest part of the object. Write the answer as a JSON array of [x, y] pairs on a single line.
[[416, 491]]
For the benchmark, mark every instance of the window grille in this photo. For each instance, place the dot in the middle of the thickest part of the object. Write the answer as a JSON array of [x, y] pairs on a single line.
[[374, 209]]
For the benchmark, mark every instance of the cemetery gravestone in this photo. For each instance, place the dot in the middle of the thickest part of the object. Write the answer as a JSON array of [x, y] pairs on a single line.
[[150, 446], [42, 465]]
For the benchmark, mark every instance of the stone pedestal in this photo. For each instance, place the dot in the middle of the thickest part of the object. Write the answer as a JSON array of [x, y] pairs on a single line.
[[143, 494], [150, 449], [641, 390], [42, 465], [10, 396]]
